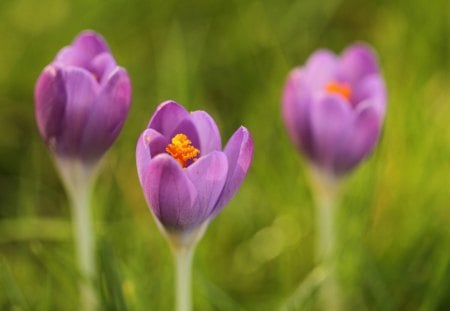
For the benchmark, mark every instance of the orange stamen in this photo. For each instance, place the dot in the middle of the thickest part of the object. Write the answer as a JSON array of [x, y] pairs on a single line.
[[181, 149], [339, 88]]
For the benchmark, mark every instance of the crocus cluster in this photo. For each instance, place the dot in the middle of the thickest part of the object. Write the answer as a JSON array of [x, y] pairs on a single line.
[[82, 99], [186, 176], [334, 108]]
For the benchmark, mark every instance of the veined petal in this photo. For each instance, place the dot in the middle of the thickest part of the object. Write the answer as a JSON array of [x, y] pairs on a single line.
[[208, 174], [357, 62], [331, 119], [50, 98], [167, 117], [209, 136], [169, 193], [296, 110], [239, 151], [149, 144], [81, 90], [107, 115]]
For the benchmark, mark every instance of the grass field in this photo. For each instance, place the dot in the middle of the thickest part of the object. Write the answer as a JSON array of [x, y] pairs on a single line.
[[231, 58]]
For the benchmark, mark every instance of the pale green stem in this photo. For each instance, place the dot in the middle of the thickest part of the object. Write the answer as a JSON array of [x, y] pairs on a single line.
[[81, 217], [326, 252], [183, 246], [325, 195], [183, 266], [78, 180]]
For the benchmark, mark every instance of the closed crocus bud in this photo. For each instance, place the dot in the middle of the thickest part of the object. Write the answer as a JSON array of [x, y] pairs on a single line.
[[186, 176], [82, 100], [334, 108]]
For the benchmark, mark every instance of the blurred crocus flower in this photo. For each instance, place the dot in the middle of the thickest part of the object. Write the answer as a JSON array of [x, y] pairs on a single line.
[[186, 177], [334, 108], [82, 100]]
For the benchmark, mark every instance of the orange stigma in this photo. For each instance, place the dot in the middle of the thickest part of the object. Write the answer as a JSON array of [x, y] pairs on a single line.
[[181, 149], [339, 88]]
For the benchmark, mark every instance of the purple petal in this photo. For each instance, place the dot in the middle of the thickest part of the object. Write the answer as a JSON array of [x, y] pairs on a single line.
[[157, 143], [84, 48], [50, 99], [149, 144], [361, 141], [169, 193], [320, 69], [357, 62], [208, 175], [107, 115], [68, 56], [371, 91], [91, 42], [167, 117], [102, 66], [239, 151], [208, 133], [296, 111], [331, 119], [81, 90]]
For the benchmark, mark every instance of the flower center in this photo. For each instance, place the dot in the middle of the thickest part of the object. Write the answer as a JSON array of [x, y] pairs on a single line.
[[181, 149], [339, 88]]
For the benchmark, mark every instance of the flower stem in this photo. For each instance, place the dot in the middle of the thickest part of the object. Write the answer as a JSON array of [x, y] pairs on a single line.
[[325, 195], [82, 226], [78, 180], [183, 266], [183, 246], [326, 253]]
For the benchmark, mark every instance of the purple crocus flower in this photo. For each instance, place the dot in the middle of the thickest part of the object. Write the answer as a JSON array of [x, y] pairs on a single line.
[[82, 99], [334, 107], [186, 177]]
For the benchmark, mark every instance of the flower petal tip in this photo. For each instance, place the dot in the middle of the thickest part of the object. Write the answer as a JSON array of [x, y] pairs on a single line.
[[91, 38]]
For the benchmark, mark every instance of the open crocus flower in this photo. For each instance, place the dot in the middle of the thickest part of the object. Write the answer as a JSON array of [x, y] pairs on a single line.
[[185, 175], [334, 107], [82, 99]]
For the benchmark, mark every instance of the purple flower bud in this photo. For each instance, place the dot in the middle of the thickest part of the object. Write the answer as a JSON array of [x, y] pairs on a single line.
[[82, 99], [186, 177], [334, 108]]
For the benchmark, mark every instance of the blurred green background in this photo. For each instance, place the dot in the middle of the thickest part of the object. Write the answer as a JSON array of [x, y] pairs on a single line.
[[231, 58]]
